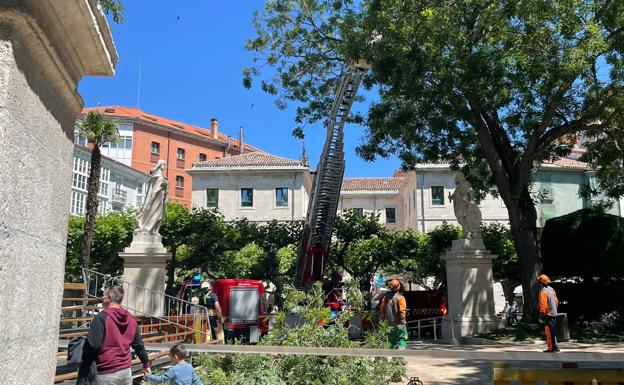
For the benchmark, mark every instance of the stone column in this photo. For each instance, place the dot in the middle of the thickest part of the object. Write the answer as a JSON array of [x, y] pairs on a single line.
[[470, 293], [145, 261], [46, 47]]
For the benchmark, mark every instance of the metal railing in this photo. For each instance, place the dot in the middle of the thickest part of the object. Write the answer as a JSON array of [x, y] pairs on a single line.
[[120, 196], [166, 309], [419, 325]]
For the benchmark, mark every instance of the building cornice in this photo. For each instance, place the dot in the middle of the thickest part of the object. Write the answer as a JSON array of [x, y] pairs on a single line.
[[242, 170], [48, 34]]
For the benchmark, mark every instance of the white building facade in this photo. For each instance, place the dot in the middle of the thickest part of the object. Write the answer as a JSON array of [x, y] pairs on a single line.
[[393, 199], [121, 186], [256, 186], [556, 190]]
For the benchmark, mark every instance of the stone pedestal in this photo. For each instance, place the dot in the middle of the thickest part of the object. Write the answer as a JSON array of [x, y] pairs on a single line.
[[470, 294], [145, 262], [46, 48]]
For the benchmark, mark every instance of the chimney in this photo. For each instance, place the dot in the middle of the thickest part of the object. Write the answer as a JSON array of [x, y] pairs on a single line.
[[241, 143], [214, 128]]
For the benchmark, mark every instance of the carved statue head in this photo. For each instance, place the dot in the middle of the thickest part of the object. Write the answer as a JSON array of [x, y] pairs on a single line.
[[161, 165], [459, 178]]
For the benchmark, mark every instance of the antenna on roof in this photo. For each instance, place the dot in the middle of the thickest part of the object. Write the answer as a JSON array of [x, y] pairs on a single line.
[[139, 86], [304, 155]]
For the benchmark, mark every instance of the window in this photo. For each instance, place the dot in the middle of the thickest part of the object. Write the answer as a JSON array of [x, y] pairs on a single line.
[[155, 148], [212, 197], [202, 157], [180, 154], [140, 188], [179, 181], [247, 197], [103, 188], [78, 203], [390, 215], [437, 195], [281, 197], [358, 211]]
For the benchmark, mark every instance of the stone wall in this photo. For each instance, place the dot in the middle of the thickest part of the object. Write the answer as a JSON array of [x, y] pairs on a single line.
[[38, 105]]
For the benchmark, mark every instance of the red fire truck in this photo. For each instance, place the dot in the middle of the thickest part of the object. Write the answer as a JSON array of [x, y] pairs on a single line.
[[242, 306]]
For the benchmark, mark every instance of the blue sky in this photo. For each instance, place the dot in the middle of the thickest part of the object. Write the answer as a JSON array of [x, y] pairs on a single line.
[[192, 54]]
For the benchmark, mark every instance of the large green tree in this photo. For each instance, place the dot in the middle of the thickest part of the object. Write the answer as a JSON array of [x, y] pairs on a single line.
[[493, 86], [98, 130], [176, 230]]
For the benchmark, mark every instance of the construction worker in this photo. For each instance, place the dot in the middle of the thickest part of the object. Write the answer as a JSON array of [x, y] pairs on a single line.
[[393, 311], [215, 316], [548, 312]]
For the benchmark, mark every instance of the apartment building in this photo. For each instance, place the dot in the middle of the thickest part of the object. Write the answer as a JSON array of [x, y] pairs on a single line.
[[147, 138]]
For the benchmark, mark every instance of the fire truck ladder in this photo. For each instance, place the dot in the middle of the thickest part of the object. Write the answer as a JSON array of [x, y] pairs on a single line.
[[323, 203]]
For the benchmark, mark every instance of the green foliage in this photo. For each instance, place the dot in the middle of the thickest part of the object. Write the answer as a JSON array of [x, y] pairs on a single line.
[[304, 370], [498, 239], [494, 87], [98, 129], [609, 326], [112, 233], [353, 232], [586, 243], [244, 263], [113, 8]]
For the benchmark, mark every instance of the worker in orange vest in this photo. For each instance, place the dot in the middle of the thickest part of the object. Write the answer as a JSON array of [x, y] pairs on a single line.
[[393, 311], [548, 312]]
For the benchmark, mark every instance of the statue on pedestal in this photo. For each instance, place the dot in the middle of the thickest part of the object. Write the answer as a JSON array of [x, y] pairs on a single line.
[[149, 219], [466, 208]]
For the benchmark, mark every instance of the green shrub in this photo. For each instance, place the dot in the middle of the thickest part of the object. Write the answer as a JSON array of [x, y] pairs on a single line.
[[261, 369], [584, 243]]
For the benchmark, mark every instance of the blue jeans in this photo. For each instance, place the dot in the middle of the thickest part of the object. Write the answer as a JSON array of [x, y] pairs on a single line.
[[122, 377]]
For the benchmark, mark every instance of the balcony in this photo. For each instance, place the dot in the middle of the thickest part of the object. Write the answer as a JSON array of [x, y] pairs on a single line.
[[154, 157], [179, 191], [119, 197], [180, 163]]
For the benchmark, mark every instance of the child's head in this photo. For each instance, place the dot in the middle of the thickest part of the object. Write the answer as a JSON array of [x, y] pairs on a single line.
[[177, 353]]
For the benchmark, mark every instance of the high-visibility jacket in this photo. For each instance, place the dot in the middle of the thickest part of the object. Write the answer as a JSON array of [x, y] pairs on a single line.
[[393, 308], [548, 301]]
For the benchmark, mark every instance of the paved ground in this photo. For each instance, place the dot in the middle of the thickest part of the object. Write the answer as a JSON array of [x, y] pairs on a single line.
[[445, 371]]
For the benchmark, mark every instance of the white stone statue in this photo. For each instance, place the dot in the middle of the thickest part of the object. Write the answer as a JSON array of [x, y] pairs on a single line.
[[466, 208], [153, 210]]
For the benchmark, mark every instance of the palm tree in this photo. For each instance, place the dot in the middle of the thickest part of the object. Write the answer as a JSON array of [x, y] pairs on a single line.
[[98, 130]]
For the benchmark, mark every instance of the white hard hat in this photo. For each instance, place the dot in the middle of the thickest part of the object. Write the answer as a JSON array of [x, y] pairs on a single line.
[[206, 285]]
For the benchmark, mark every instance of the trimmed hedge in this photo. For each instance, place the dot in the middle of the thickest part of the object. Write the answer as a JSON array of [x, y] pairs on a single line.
[[584, 243]]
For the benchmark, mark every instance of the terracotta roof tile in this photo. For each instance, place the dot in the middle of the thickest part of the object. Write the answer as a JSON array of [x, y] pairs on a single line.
[[251, 159], [567, 163], [373, 184], [138, 114]]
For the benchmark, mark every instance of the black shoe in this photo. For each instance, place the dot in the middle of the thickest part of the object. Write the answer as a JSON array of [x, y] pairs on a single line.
[[547, 351], [555, 350]]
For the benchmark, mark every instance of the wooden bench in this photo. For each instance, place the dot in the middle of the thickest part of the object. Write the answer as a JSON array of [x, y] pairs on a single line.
[[503, 375]]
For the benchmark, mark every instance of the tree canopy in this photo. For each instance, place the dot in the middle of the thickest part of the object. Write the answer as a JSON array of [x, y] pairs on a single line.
[[494, 87]]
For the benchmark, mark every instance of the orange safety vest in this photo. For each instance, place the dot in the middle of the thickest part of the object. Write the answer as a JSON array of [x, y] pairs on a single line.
[[393, 308], [548, 301]]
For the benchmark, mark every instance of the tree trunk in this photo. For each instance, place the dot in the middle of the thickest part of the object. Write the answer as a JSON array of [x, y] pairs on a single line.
[[522, 219], [92, 204]]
